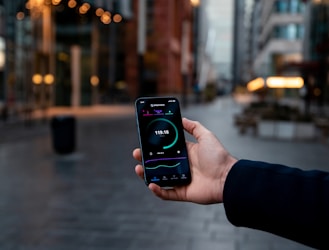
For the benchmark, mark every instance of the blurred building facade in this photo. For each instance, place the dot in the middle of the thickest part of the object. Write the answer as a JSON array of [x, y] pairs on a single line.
[[283, 38], [268, 35], [281, 35], [169, 57], [240, 42], [60, 52], [76, 52]]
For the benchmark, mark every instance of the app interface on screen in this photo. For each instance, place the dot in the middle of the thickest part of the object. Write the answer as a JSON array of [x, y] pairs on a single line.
[[162, 138]]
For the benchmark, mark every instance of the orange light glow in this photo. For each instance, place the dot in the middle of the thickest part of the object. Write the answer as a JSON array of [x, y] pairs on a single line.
[[106, 17], [256, 84], [72, 4], [35, 3], [94, 81], [195, 3], [284, 82], [49, 79], [99, 12], [117, 18], [20, 15], [37, 79], [56, 2], [84, 8]]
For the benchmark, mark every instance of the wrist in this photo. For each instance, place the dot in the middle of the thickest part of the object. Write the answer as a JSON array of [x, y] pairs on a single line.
[[229, 163]]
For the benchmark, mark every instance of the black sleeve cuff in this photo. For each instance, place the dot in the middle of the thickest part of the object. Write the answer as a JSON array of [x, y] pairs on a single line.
[[285, 201]]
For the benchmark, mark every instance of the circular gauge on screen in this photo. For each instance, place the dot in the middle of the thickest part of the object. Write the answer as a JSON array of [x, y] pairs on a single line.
[[162, 132]]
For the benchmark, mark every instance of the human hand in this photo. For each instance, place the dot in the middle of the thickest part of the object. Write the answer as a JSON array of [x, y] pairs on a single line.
[[210, 163]]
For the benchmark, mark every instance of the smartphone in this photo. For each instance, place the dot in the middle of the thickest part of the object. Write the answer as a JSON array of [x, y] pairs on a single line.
[[162, 141]]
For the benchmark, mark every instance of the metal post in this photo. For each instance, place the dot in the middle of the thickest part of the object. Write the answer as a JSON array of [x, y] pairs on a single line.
[[94, 81], [76, 75], [3, 90], [141, 44], [112, 56], [185, 59]]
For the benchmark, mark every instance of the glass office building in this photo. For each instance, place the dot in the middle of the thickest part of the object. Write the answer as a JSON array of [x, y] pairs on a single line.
[[60, 52], [280, 37]]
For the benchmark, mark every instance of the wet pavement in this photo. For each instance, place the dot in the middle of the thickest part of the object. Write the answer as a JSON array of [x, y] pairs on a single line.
[[91, 199]]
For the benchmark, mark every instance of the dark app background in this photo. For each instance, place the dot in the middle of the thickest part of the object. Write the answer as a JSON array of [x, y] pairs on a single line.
[[162, 141]]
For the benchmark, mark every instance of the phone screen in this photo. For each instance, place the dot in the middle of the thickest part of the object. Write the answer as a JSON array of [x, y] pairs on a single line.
[[162, 141]]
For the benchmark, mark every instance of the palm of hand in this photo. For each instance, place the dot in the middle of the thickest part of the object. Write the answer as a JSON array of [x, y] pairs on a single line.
[[204, 159]]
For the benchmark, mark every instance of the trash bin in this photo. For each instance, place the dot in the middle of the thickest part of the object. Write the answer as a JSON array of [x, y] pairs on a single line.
[[63, 130]]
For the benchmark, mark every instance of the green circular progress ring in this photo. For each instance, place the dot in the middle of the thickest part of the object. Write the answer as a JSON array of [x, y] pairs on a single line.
[[172, 124]]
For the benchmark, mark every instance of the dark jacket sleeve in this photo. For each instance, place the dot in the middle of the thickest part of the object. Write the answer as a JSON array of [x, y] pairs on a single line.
[[285, 201]]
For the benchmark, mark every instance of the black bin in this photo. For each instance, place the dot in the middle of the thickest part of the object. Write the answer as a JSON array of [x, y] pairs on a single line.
[[63, 133]]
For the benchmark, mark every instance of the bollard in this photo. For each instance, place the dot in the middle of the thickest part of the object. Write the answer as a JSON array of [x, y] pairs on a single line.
[[63, 133]]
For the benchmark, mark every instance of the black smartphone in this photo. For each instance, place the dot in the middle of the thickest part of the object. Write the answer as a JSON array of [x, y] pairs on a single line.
[[162, 141]]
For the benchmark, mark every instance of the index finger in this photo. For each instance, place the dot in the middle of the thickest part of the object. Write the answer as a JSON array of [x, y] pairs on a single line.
[[137, 154]]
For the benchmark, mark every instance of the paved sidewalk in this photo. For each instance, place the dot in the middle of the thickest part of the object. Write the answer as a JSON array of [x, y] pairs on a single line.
[[92, 200], [18, 128]]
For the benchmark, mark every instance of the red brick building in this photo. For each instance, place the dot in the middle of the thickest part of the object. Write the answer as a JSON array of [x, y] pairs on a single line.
[[169, 32]]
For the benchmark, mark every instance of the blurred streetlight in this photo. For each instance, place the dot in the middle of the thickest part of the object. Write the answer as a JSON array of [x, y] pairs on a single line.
[[94, 82], [72, 4], [256, 84], [41, 91], [285, 82], [49, 79], [37, 79], [276, 82], [117, 18], [195, 3]]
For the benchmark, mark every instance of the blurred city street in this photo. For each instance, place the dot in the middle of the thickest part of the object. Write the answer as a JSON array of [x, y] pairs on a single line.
[[92, 199]]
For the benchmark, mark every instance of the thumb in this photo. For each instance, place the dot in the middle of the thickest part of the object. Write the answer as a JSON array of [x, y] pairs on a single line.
[[195, 128]]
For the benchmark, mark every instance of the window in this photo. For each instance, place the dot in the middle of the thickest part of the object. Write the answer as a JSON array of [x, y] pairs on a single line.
[[281, 6], [289, 6], [291, 31]]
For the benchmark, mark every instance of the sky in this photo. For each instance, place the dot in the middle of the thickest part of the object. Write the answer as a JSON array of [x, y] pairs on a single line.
[[220, 14]]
